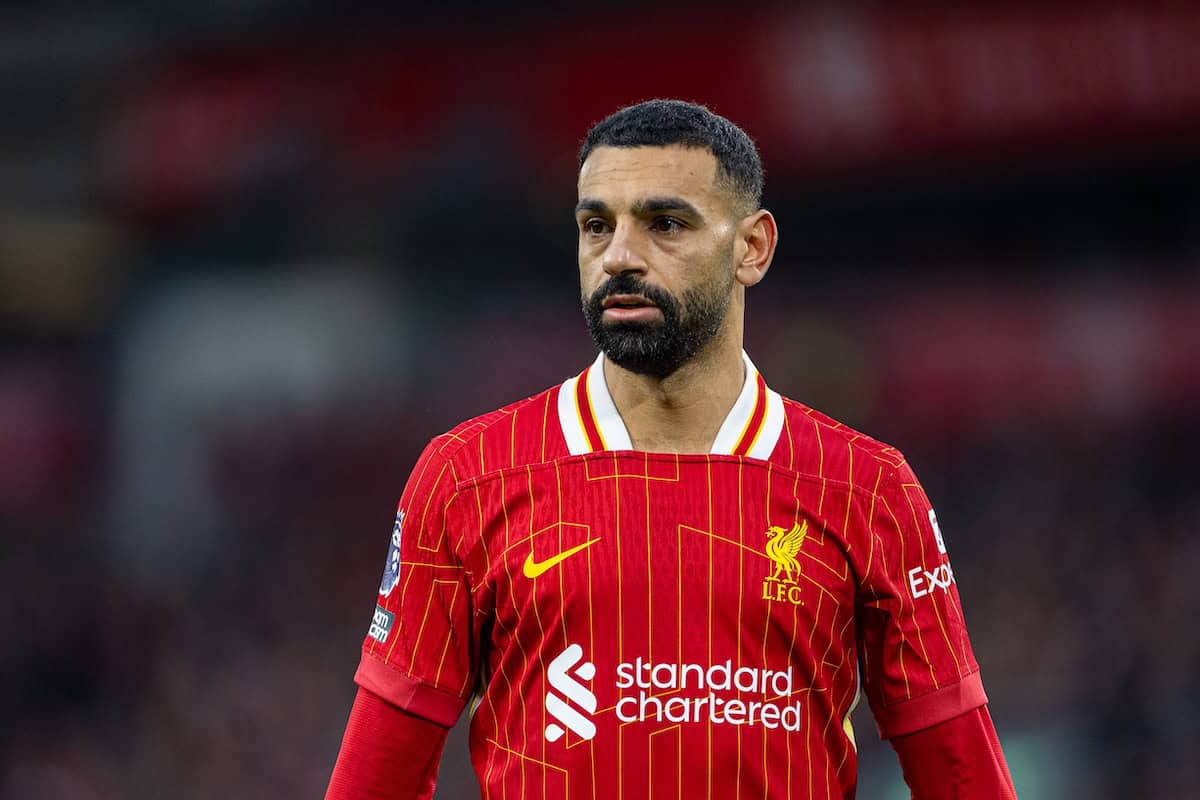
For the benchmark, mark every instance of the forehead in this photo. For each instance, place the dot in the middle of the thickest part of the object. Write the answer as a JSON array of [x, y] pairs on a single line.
[[621, 175]]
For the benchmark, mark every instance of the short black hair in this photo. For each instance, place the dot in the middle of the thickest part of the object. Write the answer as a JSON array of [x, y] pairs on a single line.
[[661, 123]]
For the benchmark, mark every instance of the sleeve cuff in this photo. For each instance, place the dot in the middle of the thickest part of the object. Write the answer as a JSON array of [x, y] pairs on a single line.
[[411, 695], [930, 709]]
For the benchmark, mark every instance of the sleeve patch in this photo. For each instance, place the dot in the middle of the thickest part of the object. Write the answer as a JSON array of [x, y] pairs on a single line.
[[391, 570], [937, 532], [381, 625]]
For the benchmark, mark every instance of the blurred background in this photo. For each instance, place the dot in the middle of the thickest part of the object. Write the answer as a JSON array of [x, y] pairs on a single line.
[[254, 255]]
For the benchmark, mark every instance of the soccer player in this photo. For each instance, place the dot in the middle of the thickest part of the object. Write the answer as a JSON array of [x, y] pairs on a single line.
[[660, 578]]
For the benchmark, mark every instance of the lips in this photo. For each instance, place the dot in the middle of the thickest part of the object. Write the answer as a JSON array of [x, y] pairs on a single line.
[[627, 301], [629, 308]]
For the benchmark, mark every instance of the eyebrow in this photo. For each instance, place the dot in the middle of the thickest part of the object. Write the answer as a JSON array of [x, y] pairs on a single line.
[[645, 207], [588, 204], [653, 205]]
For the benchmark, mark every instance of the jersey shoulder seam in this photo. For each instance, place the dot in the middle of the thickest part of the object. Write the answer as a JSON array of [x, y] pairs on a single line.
[[861, 442], [468, 432]]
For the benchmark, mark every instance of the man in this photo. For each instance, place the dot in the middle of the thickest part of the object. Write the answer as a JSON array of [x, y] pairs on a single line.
[[661, 578]]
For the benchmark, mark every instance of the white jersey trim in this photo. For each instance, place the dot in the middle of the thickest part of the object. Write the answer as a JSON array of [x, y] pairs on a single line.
[[607, 419]]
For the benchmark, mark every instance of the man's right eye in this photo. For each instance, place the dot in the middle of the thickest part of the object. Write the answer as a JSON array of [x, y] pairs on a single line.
[[596, 227]]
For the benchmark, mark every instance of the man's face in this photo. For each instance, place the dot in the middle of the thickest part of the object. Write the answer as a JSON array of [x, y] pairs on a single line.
[[656, 236]]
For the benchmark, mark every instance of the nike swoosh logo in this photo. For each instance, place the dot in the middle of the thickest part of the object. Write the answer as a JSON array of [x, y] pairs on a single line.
[[532, 568]]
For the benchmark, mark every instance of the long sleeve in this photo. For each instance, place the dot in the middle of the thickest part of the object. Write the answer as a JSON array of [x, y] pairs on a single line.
[[959, 759], [387, 753]]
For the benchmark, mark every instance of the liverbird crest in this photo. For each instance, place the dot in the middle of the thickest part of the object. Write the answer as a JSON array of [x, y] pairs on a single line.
[[782, 547]]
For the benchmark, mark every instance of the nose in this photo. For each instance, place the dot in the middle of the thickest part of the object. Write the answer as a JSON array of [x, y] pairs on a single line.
[[624, 251]]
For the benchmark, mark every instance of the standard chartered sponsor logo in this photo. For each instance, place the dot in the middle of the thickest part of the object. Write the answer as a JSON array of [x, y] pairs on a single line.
[[711, 708], [677, 693], [561, 680]]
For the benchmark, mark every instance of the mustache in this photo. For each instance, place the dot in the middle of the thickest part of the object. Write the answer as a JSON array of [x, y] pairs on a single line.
[[629, 284]]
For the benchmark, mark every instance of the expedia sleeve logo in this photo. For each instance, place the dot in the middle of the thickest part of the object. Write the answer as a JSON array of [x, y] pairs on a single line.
[[922, 581], [391, 570]]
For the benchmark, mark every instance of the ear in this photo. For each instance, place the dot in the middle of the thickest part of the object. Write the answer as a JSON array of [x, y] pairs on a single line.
[[758, 235]]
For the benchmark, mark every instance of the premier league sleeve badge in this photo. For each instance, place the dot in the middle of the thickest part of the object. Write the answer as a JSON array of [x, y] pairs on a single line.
[[391, 570]]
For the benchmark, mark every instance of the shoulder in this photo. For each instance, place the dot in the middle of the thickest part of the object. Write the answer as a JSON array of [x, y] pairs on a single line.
[[817, 445], [523, 433]]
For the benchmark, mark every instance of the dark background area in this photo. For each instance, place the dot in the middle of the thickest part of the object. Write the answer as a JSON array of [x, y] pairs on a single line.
[[253, 256]]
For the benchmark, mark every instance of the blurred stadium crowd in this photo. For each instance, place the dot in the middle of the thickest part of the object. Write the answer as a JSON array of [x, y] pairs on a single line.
[[252, 258]]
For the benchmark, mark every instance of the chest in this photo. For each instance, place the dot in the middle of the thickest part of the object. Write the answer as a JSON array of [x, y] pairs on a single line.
[[663, 543]]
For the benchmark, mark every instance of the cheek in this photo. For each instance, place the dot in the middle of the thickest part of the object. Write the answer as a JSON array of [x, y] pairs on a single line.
[[585, 252], [590, 276], [710, 264]]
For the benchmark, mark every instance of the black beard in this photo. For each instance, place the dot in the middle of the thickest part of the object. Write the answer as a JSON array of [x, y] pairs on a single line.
[[656, 348]]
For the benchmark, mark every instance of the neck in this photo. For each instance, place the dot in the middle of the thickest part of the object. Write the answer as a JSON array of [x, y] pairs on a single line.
[[682, 412]]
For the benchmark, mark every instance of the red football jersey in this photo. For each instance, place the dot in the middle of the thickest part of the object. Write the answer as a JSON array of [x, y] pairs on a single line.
[[632, 624]]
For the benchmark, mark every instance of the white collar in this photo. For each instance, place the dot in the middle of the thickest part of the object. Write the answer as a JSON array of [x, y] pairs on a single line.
[[591, 423]]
